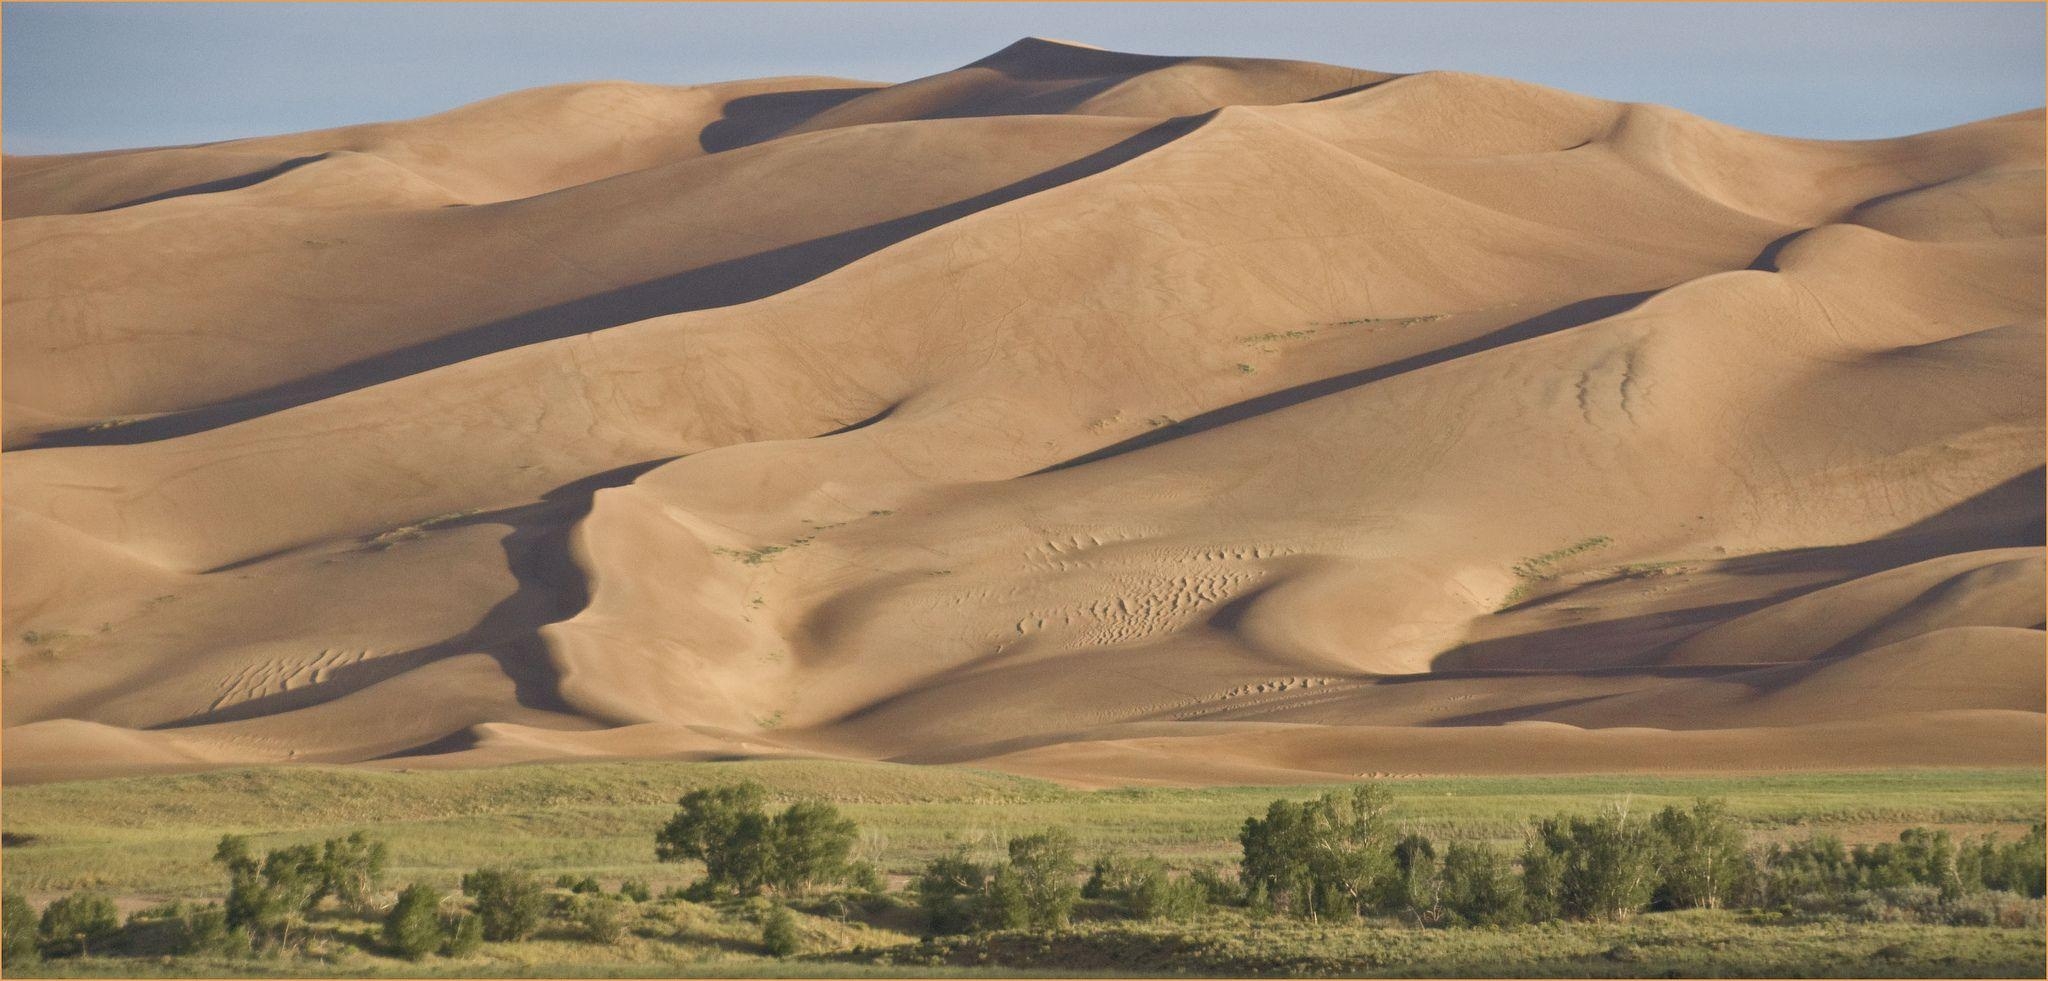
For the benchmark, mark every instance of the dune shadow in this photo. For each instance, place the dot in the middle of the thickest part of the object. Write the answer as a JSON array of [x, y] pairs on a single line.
[[1563, 318], [752, 119], [234, 183], [549, 587], [723, 284]]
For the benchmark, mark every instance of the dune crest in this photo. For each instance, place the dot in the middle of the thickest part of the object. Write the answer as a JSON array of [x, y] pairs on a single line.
[[1104, 416]]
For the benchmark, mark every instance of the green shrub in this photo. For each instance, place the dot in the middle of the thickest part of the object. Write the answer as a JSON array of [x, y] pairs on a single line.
[[745, 850], [18, 923], [948, 891], [2019, 867], [351, 867], [602, 918], [1919, 857], [1043, 867], [1700, 857], [204, 931], [1114, 877], [778, 933], [1320, 858], [586, 886], [465, 936], [1160, 896], [1217, 889], [413, 927], [811, 844], [1804, 873], [1480, 887], [1413, 888], [565, 881], [635, 890], [1601, 867], [73, 924], [511, 903]]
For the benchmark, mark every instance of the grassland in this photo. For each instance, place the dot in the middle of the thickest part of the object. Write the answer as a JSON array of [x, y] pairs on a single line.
[[148, 839]]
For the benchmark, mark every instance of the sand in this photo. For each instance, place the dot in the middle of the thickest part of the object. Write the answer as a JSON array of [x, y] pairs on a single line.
[[1107, 417]]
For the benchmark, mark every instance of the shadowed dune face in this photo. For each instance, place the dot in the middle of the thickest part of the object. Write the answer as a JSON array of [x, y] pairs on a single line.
[[1102, 416]]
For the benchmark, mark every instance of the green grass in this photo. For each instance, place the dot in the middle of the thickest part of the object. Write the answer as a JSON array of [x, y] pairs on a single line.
[[152, 836], [148, 839]]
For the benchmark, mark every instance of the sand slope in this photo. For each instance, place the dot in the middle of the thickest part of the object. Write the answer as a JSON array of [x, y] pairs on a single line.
[[1104, 416]]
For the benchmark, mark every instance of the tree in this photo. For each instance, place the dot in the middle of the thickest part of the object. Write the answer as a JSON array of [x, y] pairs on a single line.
[[1701, 859], [1414, 887], [1479, 887], [744, 849], [73, 924], [351, 868], [18, 923], [810, 843], [1326, 857], [778, 932], [727, 829], [1043, 866], [510, 902], [413, 927], [1585, 868]]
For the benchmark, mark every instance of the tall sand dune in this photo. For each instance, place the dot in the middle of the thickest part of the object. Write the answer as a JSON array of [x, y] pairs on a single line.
[[1104, 416]]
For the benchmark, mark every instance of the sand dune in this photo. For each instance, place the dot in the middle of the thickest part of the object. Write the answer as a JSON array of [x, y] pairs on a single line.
[[1104, 416]]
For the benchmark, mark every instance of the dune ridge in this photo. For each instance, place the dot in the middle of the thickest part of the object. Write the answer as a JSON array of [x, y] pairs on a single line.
[[1102, 416]]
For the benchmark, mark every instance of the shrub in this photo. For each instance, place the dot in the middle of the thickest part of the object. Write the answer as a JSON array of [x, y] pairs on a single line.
[[1480, 887], [1805, 873], [810, 843], [1700, 857], [351, 868], [1160, 896], [948, 890], [73, 924], [1217, 889], [204, 931], [1919, 857], [413, 927], [1586, 868], [1043, 868], [1414, 887], [778, 933], [465, 936], [635, 890], [602, 918], [1114, 877], [2019, 867], [18, 922], [510, 903], [586, 886], [1320, 858]]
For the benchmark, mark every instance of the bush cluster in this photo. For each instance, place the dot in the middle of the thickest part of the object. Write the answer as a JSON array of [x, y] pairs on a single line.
[[745, 849], [1035, 888], [1337, 857]]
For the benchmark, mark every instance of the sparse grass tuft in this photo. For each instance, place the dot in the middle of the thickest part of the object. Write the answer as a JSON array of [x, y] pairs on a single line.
[[1535, 569]]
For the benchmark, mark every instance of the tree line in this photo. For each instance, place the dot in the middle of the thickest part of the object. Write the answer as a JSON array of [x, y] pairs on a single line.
[[1339, 857]]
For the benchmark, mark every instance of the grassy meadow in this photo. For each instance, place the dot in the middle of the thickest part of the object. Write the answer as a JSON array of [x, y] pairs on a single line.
[[149, 840]]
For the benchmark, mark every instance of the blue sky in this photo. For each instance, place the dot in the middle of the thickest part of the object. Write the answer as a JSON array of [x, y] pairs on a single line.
[[95, 76]]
